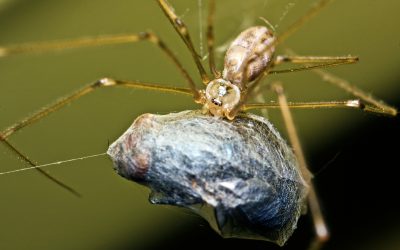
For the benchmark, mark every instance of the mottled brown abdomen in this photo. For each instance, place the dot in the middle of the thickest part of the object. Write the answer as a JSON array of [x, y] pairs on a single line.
[[248, 56]]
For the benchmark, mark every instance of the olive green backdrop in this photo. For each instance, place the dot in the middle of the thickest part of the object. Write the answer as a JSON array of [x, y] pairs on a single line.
[[37, 214]]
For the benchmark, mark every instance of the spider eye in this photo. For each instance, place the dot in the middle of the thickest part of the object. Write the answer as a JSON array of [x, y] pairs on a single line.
[[216, 102], [221, 96]]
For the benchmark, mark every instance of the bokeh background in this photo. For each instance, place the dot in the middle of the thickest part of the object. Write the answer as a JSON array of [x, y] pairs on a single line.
[[355, 155]]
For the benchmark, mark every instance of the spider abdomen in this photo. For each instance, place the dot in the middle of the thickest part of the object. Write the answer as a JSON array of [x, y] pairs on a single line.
[[249, 55], [240, 175]]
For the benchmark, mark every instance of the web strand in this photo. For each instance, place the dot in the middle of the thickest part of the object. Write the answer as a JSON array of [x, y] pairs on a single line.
[[53, 163]]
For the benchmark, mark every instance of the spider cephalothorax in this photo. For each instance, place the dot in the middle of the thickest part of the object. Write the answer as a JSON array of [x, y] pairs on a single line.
[[248, 56]]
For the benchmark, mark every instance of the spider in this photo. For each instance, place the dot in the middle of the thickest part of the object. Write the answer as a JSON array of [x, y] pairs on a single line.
[[227, 94]]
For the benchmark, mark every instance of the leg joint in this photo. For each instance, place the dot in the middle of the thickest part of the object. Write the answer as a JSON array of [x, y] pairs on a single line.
[[104, 82]]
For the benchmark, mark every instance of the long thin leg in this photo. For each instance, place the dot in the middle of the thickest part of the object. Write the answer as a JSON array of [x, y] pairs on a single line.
[[314, 59], [345, 85], [367, 103], [211, 39], [321, 230], [183, 32], [321, 62], [312, 62], [334, 80], [105, 82], [349, 104], [42, 47], [43, 172], [325, 62]]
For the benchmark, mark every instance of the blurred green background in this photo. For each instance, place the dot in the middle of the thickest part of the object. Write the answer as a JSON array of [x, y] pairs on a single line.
[[114, 213]]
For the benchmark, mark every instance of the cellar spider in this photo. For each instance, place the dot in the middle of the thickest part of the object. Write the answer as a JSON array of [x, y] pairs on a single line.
[[246, 87]]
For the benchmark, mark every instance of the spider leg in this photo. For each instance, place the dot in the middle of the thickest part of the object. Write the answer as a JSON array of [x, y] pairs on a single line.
[[312, 62], [211, 39], [183, 32], [332, 79], [348, 87], [349, 104], [321, 62], [41, 47], [366, 101], [315, 61], [41, 171], [104, 82], [321, 230], [45, 111]]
